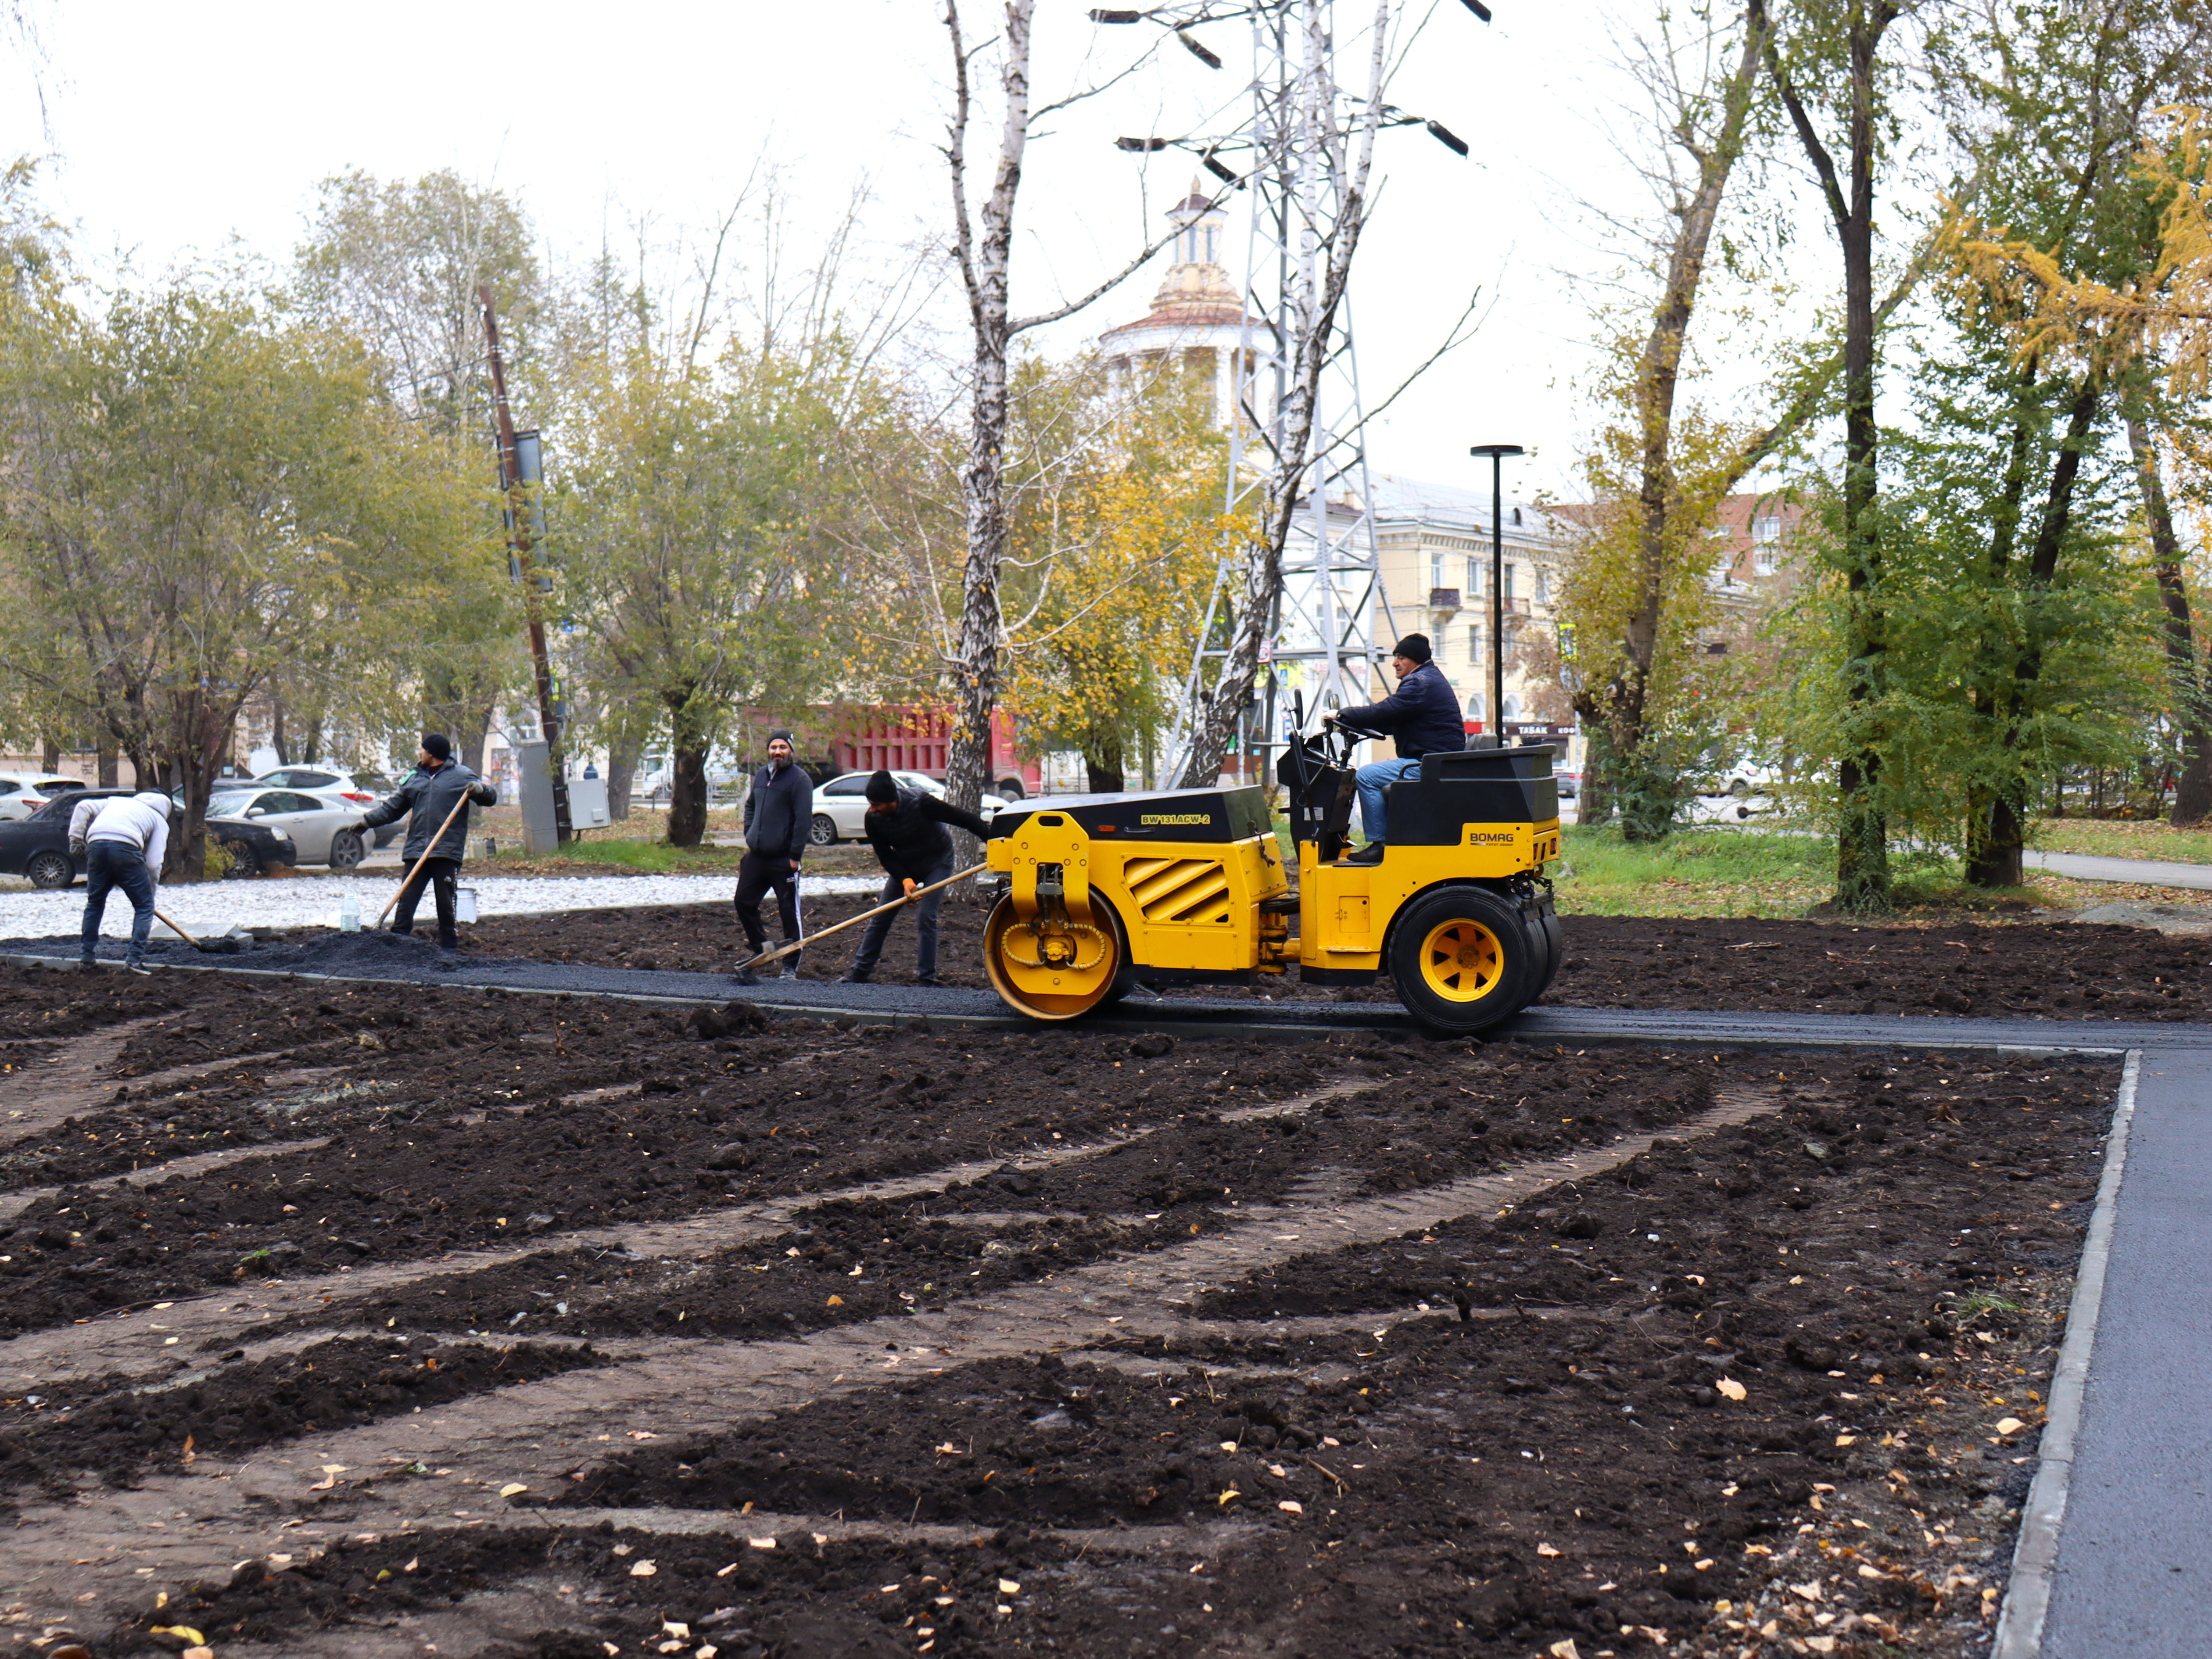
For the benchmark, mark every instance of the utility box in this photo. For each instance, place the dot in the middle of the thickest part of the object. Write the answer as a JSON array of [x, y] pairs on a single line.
[[587, 803], [533, 787]]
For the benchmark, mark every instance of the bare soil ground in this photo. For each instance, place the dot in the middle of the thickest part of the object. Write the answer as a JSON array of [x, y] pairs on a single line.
[[521, 1326]]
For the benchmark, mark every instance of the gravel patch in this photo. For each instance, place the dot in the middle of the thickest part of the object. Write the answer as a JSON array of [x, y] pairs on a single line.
[[313, 901]]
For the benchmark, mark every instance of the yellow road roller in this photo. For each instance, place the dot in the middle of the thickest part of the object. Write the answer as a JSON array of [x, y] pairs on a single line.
[[1103, 893]]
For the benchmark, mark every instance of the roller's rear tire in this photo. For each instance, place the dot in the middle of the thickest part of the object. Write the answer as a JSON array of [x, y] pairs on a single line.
[[1550, 943], [1093, 988], [1464, 958]]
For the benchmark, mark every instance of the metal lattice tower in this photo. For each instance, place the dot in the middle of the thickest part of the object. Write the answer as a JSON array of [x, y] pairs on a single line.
[[1290, 158]]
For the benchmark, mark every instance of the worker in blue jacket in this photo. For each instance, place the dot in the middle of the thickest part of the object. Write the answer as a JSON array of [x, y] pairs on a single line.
[[1423, 714]]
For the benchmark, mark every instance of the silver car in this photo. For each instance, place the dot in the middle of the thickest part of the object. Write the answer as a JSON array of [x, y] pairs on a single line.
[[319, 825]]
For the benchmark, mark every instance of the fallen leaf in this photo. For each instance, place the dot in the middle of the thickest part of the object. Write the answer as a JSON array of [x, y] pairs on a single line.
[[511, 1488], [1545, 1549], [1008, 1587], [1847, 1440], [2010, 1425], [947, 1448], [670, 1628], [185, 1631], [1291, 1506], [197, 1653], [1821, 1643], [325, 1484], [1228, 1496], [643, 1434], [1811, 1592], [643, 1569], [1652, 1633], [1875, 1573], [835, 1302], [1729, 1389], [412, 1564], [761, 1543], [1565, 1649]]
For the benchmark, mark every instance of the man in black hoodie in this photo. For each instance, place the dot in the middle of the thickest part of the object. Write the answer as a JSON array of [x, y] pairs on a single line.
[[907, 829], [779, 810]]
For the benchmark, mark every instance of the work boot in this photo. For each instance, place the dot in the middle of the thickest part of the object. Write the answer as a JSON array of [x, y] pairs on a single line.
[[138, 967], [1370, 854], [927, 979], [855, 976]]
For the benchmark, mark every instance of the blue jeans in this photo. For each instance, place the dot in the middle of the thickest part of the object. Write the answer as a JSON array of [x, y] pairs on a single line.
[[108, 865], [1374, 816], [873, 936]]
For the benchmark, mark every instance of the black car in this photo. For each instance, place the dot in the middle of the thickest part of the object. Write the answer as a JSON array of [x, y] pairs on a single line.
[[38, 846]]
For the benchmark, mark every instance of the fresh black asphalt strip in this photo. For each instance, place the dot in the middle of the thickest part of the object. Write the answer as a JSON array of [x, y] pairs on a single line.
[[2114, 1555]]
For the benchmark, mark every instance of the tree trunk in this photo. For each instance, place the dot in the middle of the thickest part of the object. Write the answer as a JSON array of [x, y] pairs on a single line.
[[1102, 762], [984, 270], [687, 771], [276, 731], [2192, 790], [50, 755], [476, 728], [622, 772], [110, 767], [311, 748], [1861, 831]]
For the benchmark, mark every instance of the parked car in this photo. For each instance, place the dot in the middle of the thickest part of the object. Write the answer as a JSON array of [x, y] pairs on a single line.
[[37, 846], [23, 793], [841, 803], [318, 827], [1570, 783]]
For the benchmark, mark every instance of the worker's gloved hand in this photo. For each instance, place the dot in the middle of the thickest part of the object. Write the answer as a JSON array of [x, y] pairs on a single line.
[[911, 883]]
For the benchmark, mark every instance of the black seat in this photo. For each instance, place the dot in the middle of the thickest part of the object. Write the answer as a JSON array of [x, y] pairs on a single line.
[[1471, 786]]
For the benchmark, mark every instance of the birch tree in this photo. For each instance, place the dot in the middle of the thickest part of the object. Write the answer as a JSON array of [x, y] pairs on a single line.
[[983, 243]]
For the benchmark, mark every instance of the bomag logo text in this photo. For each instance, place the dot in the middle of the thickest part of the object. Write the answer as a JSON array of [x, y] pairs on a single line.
[[1174, 817], [1489, 838]]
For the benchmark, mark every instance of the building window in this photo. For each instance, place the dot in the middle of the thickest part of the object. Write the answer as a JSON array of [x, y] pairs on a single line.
[[1475, 643], [1765, 542], [1435, 570], [1543, 587], [1506, 587], [1473, 577], [1474, 706], [1213, 245]]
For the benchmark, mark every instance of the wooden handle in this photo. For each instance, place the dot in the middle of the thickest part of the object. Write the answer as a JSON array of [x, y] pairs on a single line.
[[179, 932], [424, 859], [782, 951]]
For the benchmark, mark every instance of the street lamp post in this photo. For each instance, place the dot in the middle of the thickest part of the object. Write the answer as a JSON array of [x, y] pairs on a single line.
[[1497, 452]]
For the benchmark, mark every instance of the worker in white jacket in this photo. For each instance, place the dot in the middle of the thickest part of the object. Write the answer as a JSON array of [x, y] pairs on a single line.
[[124, 839]]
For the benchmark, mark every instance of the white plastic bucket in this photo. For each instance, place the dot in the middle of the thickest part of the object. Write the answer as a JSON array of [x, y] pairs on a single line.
[[465, 904]]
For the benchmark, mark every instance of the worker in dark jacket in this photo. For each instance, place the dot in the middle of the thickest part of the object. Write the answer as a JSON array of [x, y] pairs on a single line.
[[428, 801], [1423, 714], [907, 829], [778, 811]]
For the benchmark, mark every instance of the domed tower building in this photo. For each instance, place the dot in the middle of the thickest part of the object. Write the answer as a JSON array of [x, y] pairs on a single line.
[[1196, 328]]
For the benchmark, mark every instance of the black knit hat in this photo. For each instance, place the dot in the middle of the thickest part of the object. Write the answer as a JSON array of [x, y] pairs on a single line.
[[779, 734], [882, 787], [438, 746], [1414, 647]]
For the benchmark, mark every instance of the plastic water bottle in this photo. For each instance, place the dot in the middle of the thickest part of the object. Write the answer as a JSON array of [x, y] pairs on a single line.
[[349, 914]]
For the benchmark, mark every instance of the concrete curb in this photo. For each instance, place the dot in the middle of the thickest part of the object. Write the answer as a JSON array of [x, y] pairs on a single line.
[[2035, 1557]]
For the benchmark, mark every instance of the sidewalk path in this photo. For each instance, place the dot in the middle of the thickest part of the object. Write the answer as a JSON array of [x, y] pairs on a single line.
[[2146, 872]]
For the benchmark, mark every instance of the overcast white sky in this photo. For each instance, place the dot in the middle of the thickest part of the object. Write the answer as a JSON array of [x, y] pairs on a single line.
[[175, 128]]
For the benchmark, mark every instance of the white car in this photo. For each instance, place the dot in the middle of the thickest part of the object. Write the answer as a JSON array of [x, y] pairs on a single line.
[[320, 825], [23, 793], [841, 804]]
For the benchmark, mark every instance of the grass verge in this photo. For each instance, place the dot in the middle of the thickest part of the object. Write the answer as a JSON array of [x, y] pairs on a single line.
[[2123, 838]]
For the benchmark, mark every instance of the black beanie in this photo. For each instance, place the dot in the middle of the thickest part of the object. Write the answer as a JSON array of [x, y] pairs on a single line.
[[1414, 647], [438, 746], [882, 787], [778, 732]]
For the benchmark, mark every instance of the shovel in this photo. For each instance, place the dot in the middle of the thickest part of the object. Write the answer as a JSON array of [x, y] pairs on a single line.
[[228, 945], [745, 975]]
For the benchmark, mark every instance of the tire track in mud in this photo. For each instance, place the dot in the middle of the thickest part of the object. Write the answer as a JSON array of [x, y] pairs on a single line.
[[74, 1080], [533, 1434], [197, 1164], [138, 1342]]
